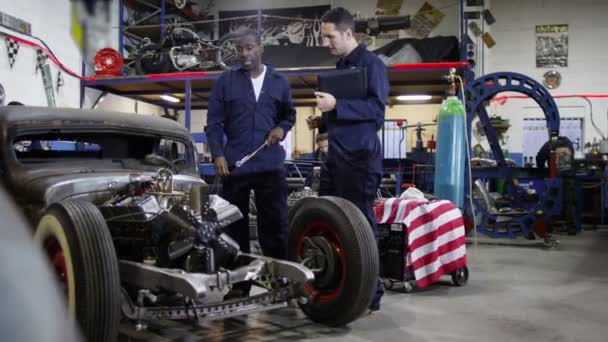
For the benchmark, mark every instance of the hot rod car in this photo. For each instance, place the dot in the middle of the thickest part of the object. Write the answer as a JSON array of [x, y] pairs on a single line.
[[134, 234]]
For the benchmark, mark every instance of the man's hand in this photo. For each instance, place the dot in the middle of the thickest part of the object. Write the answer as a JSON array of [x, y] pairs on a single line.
[[325, 102], [275, 135], [221, 166], [313, 122]]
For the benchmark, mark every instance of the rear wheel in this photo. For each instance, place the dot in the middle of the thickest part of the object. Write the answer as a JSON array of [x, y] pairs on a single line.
[[227, 56], [332, 237], [76, 239], [151, 59]]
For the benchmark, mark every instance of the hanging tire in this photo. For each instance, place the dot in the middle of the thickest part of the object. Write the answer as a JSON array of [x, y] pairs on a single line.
[[227, 56], [333, 238], [151, 59], [76, 239], [460, 277]]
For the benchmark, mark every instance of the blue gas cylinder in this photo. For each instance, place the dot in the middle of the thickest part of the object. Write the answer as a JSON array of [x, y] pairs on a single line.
[[451, 151]]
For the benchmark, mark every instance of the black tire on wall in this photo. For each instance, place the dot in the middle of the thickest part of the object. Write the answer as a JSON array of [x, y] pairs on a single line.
[[344, 287], [148, 63], [76, 238]]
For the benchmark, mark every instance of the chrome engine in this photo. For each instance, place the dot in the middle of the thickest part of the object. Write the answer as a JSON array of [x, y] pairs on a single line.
[[172, 247]]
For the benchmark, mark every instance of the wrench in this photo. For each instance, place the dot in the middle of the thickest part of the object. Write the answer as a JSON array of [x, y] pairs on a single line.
[[240, 163]]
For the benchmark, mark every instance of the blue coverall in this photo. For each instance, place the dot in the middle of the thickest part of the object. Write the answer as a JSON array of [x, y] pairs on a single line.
[[234, 111], [354, 161]]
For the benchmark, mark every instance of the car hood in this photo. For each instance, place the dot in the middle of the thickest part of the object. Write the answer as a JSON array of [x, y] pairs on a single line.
[[44, 186], [26, 118]]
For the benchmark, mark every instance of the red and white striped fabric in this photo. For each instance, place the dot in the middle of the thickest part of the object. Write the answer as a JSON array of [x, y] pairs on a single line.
[[435, 235]]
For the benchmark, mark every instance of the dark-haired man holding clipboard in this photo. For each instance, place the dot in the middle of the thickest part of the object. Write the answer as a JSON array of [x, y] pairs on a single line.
[[354, 164]]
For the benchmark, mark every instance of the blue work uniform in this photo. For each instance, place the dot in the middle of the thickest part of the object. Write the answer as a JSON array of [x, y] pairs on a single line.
[[354, 161], [234, 112]]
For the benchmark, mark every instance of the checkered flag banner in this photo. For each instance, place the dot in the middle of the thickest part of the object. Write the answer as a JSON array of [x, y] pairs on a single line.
[[12, 48], [41, 59]]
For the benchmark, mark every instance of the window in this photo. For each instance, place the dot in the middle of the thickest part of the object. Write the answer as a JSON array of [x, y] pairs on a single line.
[[394, 139], [98, 146], [52, 148], [535, 135]]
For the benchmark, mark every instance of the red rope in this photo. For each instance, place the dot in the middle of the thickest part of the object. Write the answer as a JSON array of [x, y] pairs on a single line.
[[503, 99], [417, 66], [51, 57]]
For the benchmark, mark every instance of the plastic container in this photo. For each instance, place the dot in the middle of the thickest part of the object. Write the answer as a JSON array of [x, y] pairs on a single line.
[[451, 151]]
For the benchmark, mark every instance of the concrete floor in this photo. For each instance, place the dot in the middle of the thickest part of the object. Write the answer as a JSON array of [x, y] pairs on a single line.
[[514, 294]]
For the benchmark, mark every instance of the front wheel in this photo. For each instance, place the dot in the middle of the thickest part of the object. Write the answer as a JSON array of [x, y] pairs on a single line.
[[77, 241], [333, 238]]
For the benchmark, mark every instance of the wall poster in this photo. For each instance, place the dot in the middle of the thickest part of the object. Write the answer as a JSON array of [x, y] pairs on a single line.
[[426, 20], [551, 46], [388, 7]]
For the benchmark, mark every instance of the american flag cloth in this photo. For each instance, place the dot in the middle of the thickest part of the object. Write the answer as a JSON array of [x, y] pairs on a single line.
[[435, 235]]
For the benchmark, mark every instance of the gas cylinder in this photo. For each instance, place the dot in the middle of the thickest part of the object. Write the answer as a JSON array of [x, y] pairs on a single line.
[[451, 151]]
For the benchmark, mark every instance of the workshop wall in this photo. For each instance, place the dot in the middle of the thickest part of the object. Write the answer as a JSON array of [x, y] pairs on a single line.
[[587, 58], [50, 22], [414, 114], [302, 138], [122, 104]]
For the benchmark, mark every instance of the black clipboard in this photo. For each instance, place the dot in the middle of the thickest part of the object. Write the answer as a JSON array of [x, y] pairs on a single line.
[[344, 83]]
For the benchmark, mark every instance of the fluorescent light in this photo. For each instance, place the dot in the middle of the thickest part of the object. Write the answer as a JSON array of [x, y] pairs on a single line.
[[414, 97], [169, 98]]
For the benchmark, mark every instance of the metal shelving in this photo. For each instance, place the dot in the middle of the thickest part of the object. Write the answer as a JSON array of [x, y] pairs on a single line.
[[156, 15], [193, 88]]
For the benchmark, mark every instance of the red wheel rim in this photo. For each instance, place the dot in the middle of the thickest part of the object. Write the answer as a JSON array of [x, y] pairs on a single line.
[[322, 229], [108, 62], [57, 258]]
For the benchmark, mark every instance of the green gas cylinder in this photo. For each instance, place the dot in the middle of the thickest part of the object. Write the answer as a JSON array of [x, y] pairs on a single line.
[[451, 151]]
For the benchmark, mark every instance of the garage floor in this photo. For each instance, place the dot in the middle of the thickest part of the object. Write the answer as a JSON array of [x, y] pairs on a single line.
[[514, 294]]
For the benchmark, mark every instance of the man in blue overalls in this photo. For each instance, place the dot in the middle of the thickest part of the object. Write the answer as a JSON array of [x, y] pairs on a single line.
[[354, 165], [252, 106]]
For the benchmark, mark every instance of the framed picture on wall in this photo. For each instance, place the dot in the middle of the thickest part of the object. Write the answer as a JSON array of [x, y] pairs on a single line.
[[551, 46]]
